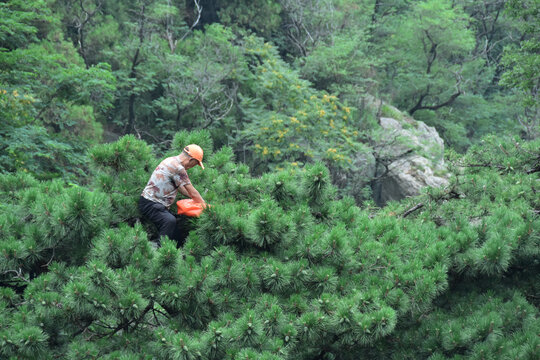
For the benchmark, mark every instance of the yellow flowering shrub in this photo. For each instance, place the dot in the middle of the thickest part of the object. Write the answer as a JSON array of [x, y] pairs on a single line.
[[288, 121]]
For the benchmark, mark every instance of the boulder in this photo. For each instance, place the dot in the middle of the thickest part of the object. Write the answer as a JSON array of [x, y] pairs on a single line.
[[410, 156]]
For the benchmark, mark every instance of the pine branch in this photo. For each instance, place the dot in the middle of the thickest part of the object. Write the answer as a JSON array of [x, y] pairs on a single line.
[[125, 324], [82, 330], [18, 274], [411, 210], [51, 259], [150, 306], [155, 316], [533, 170]]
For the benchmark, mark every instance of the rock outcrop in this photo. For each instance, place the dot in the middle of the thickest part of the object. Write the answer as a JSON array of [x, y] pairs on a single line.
[[410, 156]]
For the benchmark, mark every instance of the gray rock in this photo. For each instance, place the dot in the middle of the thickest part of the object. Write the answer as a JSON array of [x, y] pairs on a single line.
[[414, 154], [407, 177]]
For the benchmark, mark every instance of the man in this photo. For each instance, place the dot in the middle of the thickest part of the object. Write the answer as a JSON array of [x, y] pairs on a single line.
[[160, 193]]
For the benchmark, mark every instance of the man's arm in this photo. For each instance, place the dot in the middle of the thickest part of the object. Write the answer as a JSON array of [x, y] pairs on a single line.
[[183, 191], [193, 193]]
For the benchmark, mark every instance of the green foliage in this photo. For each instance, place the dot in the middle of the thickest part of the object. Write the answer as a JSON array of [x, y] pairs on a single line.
[[428, 53], [26, 145], [522, 61], [22, 22], [282, 265], [342, 66], [121, 170], [491, 324], [290, 122], [49, 102], [262, 16], [212, 69], [278, 269], [202, 138]]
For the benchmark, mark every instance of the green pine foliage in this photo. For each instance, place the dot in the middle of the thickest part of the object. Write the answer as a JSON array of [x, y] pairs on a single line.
[[282, 264], [121, 171], [280, 268]]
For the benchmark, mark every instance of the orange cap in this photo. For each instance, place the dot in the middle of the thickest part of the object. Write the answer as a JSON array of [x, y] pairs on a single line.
[[195, 152]]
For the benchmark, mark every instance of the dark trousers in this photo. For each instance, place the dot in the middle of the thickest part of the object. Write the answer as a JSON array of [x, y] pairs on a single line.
[[161, 217]]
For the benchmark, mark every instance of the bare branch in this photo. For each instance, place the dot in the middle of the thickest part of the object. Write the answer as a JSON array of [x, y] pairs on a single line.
[[411, 210], [18, 274], [199, 12], [80, 24], [448, 102], [50, 260]]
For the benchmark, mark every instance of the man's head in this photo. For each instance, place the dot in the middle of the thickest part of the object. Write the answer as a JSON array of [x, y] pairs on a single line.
[[192, 156]]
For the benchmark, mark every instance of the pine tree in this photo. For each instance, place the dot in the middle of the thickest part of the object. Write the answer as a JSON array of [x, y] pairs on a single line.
[[277, 268]]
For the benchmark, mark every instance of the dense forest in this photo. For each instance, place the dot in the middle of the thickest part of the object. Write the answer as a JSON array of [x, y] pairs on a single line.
[[302, 253]]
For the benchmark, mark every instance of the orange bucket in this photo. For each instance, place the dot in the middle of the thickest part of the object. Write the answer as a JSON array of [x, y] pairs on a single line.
[[189, 207]]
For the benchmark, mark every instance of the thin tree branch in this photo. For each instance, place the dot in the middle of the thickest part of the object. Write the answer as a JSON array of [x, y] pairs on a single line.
[[199, 12], [18, 274], [411, 210]]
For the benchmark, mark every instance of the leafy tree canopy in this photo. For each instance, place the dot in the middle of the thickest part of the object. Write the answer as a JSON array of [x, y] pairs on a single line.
[[277, 268]]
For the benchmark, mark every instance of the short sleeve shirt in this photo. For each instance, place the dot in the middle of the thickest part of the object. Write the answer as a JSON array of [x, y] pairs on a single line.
[[165, 180]]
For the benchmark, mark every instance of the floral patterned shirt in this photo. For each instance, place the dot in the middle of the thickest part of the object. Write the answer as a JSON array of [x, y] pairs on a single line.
[[165, 180]]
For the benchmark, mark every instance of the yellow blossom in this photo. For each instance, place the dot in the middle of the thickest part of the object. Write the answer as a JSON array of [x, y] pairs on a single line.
[[15, 93], [294, 120], [282, 133], [265, 151], [257, 146], [347, 109], [332, 123], [321, 113], [344, 117], [334, 107], [277, 152], [294, 163], [3, 91]]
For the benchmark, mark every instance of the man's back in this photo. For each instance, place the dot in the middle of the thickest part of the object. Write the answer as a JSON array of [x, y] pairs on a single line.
[[165, 180]]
